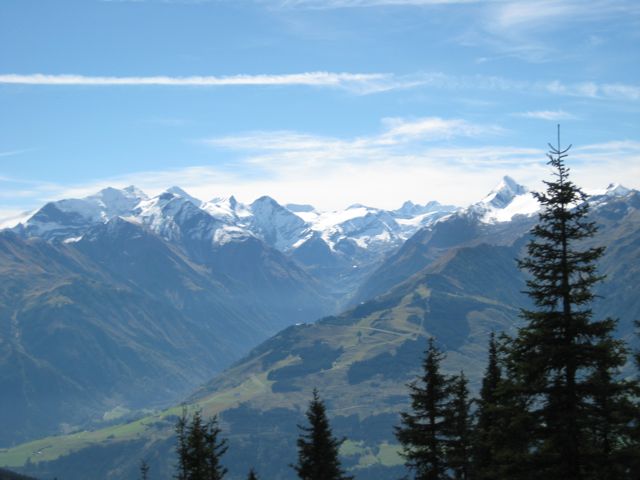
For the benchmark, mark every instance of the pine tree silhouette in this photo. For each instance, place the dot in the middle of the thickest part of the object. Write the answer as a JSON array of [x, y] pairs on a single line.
[[317, 447], [199, 448], [424, 432], [566, 363]]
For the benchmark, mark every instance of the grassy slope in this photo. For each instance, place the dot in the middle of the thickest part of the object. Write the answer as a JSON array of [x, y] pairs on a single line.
[[377, 332]]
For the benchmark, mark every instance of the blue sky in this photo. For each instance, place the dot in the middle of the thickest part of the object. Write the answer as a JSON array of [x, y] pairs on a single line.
[[328, 102]]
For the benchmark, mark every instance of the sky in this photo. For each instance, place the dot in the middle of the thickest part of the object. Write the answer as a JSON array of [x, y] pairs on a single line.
[[327, 102]]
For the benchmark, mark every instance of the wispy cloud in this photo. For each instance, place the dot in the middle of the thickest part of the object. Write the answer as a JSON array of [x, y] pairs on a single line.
[[594, 90], [357, 82], [551, 115], [11, 153], [529, 29], [397, 132]]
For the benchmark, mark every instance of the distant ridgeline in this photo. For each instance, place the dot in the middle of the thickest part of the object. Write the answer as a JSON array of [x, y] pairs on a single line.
[[136, 309]]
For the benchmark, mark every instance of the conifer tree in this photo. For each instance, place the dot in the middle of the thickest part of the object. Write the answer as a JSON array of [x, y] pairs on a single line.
[[252, 475], [317, 447], [503, 425], [215, 449], [144, 470], [564, 361], [181, 447], [199, 448], [486, 429], [458, 449], [423, 433]]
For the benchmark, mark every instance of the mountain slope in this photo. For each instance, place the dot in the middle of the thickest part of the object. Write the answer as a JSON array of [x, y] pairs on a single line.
[[361, 360], [82, 321]]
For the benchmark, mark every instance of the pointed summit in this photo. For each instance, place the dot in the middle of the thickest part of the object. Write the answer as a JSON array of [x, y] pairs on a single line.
[[134, 191], [409, 209], [504, 193], [504, 202], [275, 224], [113, 201], [181, 193], [617, 190]]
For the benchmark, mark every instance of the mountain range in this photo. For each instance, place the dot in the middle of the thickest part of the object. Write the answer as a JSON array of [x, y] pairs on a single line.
[[119, 288], [164, 292]]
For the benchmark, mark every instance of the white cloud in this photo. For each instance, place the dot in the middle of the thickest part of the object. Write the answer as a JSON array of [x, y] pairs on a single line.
[[403, 163], [532, 13], [398, 133], [551, 115], [357, 82], [529, 29], [613, 91], [333, 173], [433, 128]]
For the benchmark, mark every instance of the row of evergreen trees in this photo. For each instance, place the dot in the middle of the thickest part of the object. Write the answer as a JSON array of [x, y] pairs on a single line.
[[200, 448], [552, 402]]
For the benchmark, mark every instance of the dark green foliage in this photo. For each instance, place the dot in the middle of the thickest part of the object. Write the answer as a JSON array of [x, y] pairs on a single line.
[[613, 435], [485, 443], [385, 364], [317, 447], [144, 470], [423, 433], [9, 475], [315, 358], [503, 424], [252, 475], [181, 447], [565, 363], [199, 449], [458, 452]]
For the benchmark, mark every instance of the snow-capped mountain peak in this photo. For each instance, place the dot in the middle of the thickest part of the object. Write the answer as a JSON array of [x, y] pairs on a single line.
[[504, 202], [181, 193], [110, 202], [617, 190], [276, 224], [71, 217], [504, 193], [227, 209], [410, 210]]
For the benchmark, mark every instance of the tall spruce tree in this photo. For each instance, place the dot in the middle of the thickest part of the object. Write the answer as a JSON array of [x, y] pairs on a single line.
[[144, 470], [564, 361], [317, 447], [486, 434], [503, 424], [458, 449], [181, 447], [424, 432], [252, 475]]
